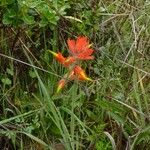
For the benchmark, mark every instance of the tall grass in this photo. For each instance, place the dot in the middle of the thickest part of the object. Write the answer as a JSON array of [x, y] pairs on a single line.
[[110, 113]]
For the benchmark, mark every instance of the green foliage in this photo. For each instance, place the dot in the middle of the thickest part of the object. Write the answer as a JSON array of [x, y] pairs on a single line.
[[103, 145], [31, 12], [6, 81], [33, 116]]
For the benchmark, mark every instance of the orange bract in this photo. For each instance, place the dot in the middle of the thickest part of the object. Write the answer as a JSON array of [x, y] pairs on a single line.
[[80, 48], [63, 60], [61, 84], [58, 56], [69, 60], [80, 73]]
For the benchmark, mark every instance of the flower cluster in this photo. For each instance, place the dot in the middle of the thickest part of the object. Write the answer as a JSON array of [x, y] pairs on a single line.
[[79, 49]]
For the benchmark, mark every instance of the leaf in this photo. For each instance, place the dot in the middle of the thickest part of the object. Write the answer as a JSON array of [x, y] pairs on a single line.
[[35, 139], [111, 140], [73, 18], [6, 2], [32, 74], [28, 19], [6, 81], [62, 10], [8, 16], [32, 3], [43, 22], [96, 70], [18, 116], [10, 71], [47, 15]]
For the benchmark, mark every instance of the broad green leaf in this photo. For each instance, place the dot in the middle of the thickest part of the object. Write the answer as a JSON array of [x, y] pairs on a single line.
[[6, 81]]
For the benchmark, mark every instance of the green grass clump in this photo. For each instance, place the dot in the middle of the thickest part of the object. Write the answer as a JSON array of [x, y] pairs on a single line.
[[112, 112]]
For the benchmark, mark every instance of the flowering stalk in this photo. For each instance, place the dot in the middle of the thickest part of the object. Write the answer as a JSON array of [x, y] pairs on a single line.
[[79, 49]]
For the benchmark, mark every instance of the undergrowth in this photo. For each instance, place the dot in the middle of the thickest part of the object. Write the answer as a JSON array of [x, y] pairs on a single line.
[[112, 112]]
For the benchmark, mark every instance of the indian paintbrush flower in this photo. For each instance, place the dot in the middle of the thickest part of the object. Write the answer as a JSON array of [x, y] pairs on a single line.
[[79, 49]]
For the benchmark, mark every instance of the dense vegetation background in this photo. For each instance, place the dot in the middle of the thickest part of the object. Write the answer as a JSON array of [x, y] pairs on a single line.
[[110, 113]]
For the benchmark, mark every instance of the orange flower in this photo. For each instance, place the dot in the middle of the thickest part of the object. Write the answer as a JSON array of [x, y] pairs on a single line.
[[61, 84], [58, 56], [80, 73], [76, 73], [80, 48], [63, 81], [69, 60]]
